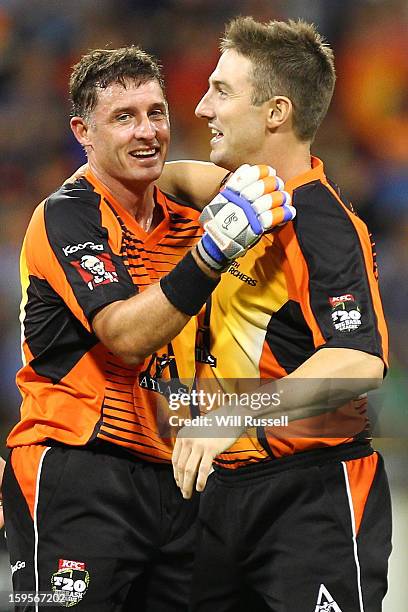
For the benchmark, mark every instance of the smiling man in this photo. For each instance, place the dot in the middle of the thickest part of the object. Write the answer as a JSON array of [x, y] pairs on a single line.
[[111, 277], [293, 518]]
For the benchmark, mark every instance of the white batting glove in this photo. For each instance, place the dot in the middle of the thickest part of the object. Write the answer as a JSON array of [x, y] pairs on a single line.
[[251, 203]]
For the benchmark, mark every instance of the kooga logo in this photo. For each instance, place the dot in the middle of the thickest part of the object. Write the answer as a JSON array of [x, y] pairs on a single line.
[[70, 249], [17, 566]]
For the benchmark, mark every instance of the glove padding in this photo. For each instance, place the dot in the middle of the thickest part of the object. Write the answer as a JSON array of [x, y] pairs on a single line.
[[253, 202]]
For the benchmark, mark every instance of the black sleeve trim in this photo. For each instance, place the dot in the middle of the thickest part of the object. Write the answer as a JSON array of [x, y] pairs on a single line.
[[340, 295], [74, 229]]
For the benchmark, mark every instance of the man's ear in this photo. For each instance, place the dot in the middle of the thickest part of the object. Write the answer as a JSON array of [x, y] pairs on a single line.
[[80, 129], [280, 109]]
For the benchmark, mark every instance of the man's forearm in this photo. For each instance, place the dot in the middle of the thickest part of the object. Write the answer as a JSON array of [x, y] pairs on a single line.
[[196, 182], [324, 382], [327, 380], [137, 327]]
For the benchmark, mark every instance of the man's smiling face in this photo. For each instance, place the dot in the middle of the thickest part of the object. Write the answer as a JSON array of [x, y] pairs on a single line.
[[129, 132], [238, 126]]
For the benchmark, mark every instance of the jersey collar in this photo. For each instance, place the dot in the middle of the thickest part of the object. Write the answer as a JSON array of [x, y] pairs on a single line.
[[127, 218], [314, 174]]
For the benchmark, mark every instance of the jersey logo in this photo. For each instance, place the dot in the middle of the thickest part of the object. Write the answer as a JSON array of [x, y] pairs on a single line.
[[232, 218], [234, 270], [325, 602], [70, 583], [96, 271], [346, 315], [17, 566], [152, 379], [73, 248], [347, 297], [67, 564]]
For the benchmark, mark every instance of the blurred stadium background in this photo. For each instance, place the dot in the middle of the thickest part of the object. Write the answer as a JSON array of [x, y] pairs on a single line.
[[364, 142]]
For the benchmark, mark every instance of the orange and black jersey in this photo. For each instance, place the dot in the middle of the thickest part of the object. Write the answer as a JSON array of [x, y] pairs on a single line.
[[311, 284], [82, 251]]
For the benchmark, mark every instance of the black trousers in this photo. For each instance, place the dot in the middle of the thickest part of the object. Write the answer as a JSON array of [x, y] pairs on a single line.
[[107, 532], [303, 539]]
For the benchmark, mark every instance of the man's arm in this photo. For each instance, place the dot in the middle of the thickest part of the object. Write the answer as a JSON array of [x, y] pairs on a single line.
[[196, 182], [231, 227], [137, 327], [325, 381]]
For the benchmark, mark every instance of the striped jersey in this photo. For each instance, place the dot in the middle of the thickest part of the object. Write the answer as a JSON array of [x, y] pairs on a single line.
[[311, 284], [83, 251]]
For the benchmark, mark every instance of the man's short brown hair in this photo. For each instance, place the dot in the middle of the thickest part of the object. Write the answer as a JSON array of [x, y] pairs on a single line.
[[101, 67], [290, 59]]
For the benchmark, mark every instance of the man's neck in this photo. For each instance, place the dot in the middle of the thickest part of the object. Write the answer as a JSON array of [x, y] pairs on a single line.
[[137, 198], [290, 158]]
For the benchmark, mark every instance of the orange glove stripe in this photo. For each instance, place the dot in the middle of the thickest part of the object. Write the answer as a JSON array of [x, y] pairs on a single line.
[[263, 171], [270, 184], [277, 199], [278, 216]]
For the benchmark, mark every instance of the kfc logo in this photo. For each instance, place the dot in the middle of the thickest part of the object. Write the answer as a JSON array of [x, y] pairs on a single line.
[[346, 313], [66, 564], [347, 297], [70, 583], [96, 271]]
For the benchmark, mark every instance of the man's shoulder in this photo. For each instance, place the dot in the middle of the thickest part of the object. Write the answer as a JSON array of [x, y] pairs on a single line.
[[321, 193], [325, 218], [73, 205], [71, 194]]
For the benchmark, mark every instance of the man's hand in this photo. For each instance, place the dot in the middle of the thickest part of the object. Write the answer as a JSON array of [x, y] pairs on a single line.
[[251, 203], [196, 447], [194, 452]]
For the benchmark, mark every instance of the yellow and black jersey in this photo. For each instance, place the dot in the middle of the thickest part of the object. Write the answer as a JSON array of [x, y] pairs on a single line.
[[311, 284], [82, 251]]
